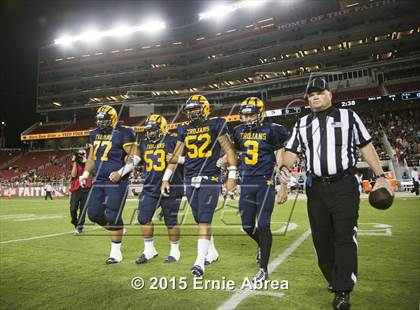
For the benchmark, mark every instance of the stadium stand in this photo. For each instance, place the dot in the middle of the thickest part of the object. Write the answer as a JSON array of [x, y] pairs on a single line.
[[46, 128], [83, 124], [8, 155], [356, 94], [45, 163], [404, 87]]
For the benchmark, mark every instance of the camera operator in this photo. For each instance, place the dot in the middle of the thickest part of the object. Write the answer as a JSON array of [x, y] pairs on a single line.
[[78, 194]]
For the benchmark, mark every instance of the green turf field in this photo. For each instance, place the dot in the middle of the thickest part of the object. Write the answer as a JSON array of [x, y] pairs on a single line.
[[64, 271]]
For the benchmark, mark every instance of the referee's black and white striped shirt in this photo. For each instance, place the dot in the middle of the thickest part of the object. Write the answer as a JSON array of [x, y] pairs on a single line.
[[328, 140]]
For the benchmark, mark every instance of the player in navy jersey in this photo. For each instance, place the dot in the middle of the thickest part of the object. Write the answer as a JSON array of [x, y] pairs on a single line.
[[109, 144], [203, 140], [259, 145], [154, 150]]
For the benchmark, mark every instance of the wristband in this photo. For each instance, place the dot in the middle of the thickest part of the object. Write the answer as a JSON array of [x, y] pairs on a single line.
[[85, 174], [167, 175], [232, 172], [129, 167], [181, 160], [136, 160], [126, 169]]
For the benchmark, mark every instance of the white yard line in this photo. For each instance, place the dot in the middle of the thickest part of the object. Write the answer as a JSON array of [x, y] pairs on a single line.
[[236, 299], [41, 236]]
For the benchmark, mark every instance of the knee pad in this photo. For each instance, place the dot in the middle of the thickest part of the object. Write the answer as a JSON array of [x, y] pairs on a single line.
[[143, 218], [205, 217], [171, 221], [113, 220], [195, 214], [96, 217]]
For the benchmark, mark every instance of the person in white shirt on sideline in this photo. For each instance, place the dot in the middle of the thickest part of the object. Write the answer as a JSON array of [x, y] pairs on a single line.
[[48, 190]]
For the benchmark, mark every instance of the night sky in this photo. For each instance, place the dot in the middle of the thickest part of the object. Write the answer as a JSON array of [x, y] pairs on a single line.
[[27, 25]]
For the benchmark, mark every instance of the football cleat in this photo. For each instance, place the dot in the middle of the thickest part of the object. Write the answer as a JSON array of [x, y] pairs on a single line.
[[197, 108], [197, 271], [143, 259], [341, 301], [170, 259], [106, 118], [211, 258], [261, 276], [112, 260], [252, 106], [258, 256], [155, 127]]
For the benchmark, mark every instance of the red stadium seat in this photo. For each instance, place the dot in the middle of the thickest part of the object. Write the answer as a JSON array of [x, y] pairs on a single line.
[[404, 87]]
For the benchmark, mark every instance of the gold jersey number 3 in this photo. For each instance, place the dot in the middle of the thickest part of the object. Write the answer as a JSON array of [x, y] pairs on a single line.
[[251, 151]]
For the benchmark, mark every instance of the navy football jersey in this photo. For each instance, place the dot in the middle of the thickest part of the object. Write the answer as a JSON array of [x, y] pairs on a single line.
[[257, 148], [202, 150], [108, 150], [154, 157]]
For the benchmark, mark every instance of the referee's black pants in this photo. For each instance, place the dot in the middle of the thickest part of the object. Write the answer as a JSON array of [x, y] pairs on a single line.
[[333, 210], [48, 195], [77, 205]]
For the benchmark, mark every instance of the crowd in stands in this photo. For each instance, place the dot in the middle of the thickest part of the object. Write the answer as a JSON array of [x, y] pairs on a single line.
[[36, 168], [403, 132], [376, 131]]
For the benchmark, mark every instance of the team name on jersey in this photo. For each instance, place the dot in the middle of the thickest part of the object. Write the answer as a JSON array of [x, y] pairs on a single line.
[[254, 135], [152, 146], [193, 131], [103, 137]]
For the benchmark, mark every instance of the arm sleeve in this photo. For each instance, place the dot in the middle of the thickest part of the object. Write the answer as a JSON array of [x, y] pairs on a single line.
[[278, 136], [294, 143], [360, 133]]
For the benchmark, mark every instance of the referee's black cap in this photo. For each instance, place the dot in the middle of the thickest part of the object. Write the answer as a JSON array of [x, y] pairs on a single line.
[[318, 83]]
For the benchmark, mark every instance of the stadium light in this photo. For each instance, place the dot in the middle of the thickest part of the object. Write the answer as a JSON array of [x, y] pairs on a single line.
[[121, 30], [223, 10]]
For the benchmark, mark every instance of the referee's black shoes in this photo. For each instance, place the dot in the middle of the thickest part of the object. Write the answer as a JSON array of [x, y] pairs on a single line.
[[330, 288], [341, 301]]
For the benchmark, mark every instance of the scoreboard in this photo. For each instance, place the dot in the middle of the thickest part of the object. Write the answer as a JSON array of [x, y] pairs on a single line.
[[414, 95], [397, 98]]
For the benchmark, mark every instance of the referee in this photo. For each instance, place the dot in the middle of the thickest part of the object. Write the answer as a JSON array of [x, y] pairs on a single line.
[[328, 138]]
